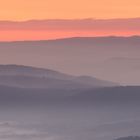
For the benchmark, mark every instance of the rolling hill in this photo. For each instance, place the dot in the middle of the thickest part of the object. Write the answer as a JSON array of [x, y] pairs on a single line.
[[110, 58], [31, 77]]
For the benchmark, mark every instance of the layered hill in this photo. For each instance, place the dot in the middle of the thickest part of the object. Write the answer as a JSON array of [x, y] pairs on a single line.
[[31, 77], [109, 58]]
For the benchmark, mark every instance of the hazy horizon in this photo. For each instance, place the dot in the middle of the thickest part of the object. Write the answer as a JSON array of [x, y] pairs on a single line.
[[66, 28], [109, 58]]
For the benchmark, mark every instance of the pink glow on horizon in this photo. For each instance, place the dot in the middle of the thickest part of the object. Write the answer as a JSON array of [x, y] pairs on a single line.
[[44, 35], [54, 29]]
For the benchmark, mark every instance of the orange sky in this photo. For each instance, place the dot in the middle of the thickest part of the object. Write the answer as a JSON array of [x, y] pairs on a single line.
[[52, 29], [24, 10], [68, 9]]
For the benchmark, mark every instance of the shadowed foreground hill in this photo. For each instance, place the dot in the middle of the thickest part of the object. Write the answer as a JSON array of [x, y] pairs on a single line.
[[109, 96], [100, 114]]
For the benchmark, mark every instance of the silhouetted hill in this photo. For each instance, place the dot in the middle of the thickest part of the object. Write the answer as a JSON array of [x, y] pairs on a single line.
[[31, 77], [16, 70]]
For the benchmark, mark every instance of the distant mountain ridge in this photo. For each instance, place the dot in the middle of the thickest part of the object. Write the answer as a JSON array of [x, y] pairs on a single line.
[[16, 70], [93, 56], [98, 41], [31, 77]]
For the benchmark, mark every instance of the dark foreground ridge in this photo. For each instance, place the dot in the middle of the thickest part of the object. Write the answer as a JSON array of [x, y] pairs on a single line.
[[109, 96], [129, 138]]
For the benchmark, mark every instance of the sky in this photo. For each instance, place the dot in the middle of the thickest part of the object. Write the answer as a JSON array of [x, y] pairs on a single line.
[[55, 29], [64, 9], [22, 11]]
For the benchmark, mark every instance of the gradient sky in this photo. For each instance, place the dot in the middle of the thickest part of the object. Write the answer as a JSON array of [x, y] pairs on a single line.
[[125, 13], [68, 9], [52, 29]]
